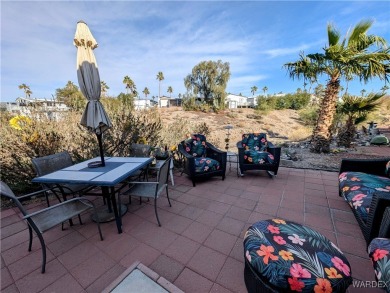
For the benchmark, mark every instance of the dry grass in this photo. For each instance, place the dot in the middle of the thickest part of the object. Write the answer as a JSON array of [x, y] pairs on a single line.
[[285, 125]]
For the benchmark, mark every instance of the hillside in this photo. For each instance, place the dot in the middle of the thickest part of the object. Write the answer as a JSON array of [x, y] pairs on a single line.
[[282, 126]]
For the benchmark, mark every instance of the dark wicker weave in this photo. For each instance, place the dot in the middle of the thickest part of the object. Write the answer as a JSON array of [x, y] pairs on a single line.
[[272, 169], [384, 231], [211, 152], [380, 200], [253, 282]]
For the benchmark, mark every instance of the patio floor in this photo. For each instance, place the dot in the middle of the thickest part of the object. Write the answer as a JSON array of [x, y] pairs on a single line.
[[199, 246]]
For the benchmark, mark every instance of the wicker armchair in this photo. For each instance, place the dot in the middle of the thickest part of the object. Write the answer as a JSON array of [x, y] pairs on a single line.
[[201, 159], [43, 220], [256, 153], [363, 184]]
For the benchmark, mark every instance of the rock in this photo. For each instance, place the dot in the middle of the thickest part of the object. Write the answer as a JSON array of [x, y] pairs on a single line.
[[379, 140]]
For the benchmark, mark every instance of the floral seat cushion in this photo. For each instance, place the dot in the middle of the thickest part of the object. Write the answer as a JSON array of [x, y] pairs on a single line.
[[256, 145], [358, 189], [292, 257], [379, 252], [206, 165]]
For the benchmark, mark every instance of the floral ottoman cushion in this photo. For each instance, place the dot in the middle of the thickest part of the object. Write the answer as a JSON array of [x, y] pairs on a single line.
[[379, 252], [291, 257], [358, 189]]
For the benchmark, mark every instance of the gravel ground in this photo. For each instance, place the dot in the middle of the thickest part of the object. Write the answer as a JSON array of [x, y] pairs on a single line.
[[328, 162]]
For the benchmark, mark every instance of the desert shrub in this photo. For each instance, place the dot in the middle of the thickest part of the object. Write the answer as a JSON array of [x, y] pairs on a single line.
[[41, 136], [309, 115]]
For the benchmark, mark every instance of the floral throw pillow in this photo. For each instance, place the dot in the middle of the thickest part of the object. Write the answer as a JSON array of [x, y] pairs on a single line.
[[196, 145], [255, 141]]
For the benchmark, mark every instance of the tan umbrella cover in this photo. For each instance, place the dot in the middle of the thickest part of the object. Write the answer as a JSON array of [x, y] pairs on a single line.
[[94, 117]]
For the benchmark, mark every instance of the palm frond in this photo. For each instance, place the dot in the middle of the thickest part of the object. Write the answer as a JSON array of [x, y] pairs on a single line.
[[360, 29], [312, 263], [333, 35]]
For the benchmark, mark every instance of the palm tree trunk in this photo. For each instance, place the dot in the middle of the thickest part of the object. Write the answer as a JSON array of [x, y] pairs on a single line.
[[322, 133]]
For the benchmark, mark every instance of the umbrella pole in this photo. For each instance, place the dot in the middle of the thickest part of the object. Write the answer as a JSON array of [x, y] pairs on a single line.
[[99, 138]]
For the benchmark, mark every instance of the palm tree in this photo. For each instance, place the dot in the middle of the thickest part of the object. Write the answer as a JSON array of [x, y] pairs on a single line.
[[254, 90], [384, 88], [356, 55], [26, 89], [265, 89], [130, 85], [170, 91], [104, 87], [160, 77], [356, 110], [146, 92]]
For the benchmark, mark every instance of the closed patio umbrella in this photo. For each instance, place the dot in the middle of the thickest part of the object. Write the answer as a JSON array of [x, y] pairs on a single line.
[[94, 118]]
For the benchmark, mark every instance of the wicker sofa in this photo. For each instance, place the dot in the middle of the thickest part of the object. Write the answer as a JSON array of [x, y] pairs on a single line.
[[365, 185]]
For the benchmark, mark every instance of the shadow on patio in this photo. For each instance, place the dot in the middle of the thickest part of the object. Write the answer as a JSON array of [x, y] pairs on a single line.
[[199, 246]]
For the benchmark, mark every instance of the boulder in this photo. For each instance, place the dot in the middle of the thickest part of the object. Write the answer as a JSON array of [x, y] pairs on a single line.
[[379, 140]]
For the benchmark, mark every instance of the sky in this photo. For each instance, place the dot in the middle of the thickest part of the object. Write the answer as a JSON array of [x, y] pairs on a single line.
[[141, 38]]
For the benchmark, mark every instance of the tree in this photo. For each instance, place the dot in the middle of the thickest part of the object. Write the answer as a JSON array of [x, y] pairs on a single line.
[[130, 85], [254, 90], [363, 91], [356, 110], [146, 92], [265, 89], [160, 78], [170, 91], [356, 55], [71, 96], [209, 80], [104, 87], [384, 88], [26, 89]]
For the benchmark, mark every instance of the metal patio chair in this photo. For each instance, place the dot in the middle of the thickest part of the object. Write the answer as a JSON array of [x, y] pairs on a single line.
[[48, 164], [42, 220], [151, 189]]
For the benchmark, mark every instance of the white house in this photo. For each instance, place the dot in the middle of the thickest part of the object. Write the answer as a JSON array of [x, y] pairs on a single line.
[[252, 102], [24, 106], [235, 101], [142, 104]]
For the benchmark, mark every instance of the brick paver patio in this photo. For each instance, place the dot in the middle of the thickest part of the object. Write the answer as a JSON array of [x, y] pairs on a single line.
[[199, 246]]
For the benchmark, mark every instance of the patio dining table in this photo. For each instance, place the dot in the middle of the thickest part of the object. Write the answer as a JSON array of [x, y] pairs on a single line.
[[115, 171]]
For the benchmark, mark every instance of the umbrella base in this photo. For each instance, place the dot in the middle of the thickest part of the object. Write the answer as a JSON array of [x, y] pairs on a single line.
[[95, 164], [105, 216]]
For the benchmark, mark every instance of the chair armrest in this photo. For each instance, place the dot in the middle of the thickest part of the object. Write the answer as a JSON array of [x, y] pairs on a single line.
[[385, 225], [34, 193], [216, 154], [275, 151], [370, 166], [379, 203], [67, 202]]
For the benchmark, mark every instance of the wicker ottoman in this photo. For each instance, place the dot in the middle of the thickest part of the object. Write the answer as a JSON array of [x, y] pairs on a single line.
[[282, 256]]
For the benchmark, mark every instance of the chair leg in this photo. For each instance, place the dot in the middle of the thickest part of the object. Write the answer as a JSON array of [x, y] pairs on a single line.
[[171, 174], [168, 197], [30, 238], [98, 221], [43, 252], [193, 182], [155, 210]]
